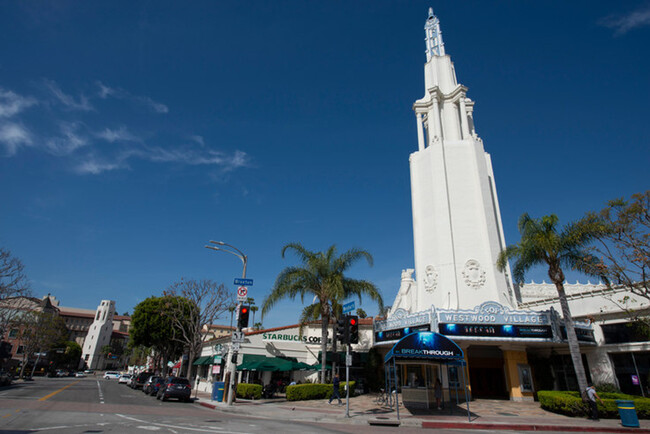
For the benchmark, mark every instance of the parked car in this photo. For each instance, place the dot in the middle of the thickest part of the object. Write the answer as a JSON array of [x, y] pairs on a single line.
[[5, 378], [79, 374], [89, 372], [138, 380], [152, 385], [111, 374], [124, 378], [175, 387]]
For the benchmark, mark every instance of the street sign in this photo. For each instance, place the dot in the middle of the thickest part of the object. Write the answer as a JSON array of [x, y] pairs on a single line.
[[242, 291], [245, 282], [348, 307], [348, 360], [234, 346], [217, 360], [238, 337]]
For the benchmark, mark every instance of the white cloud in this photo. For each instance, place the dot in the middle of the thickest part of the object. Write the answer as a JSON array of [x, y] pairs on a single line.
[[13, 136], [158, 107], [624, 23], [67, 100], [69, 142], [117, 93], [11, 103], [119, 135], [105, 91], [198, 139], [93, 166]]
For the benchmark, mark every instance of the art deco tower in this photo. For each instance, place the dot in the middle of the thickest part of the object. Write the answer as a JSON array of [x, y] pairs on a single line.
[[456, 219]]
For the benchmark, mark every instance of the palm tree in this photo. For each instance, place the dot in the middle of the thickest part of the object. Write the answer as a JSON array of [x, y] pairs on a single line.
[[542, 243], [254, 309], [321, 276]]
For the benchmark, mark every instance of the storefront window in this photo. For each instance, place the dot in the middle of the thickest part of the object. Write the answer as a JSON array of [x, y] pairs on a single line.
[[632, 378], [525, 378]]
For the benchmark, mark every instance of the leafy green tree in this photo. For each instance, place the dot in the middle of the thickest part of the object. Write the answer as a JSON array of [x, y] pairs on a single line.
[[153, 328], [362, 313], [543, 243], [321, 276], [65, 356]]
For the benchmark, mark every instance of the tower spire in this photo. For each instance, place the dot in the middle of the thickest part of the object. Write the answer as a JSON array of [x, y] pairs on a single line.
[[435, 46]]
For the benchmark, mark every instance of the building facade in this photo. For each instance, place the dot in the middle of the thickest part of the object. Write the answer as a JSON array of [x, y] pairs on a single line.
[[513, 338]]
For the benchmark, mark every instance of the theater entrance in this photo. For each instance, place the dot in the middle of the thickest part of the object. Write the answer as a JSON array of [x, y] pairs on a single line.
[[487, 372]]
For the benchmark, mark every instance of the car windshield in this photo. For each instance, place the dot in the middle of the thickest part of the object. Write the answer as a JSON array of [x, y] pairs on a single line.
[[179, 381]]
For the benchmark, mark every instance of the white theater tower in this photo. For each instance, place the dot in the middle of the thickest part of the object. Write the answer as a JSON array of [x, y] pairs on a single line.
[[456, 219]]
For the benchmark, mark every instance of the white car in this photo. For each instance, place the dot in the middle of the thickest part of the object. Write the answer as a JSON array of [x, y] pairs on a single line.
[[79, 374], [124, 378], [111, 374]]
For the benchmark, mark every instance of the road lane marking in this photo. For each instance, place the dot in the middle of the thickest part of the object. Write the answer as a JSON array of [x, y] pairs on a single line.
[[101, 394], [164, 425], [57, 391]]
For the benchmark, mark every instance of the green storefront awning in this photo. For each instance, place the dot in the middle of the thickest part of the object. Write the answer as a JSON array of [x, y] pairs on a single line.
[[205, 360], [272, 364]]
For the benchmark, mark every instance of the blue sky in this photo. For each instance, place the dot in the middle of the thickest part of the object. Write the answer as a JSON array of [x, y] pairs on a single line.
[[131, 134]]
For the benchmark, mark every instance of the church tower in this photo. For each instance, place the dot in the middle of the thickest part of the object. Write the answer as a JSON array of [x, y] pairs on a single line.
[[99, 335], [456, 219]]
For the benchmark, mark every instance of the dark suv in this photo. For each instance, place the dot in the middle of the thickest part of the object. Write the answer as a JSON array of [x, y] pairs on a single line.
[[138, 381], [175, 387], [152, 385]]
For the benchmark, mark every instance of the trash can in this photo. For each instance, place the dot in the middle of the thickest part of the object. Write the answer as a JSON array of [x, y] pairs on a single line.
[[217, 391], [628, 413]]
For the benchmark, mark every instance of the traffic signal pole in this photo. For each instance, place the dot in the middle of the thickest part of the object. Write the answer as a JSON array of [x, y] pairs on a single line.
[[347, 380]]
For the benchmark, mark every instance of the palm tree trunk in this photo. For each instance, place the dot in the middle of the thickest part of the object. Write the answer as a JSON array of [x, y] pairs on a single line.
[[323, 346], [574, 347], [334, 349]]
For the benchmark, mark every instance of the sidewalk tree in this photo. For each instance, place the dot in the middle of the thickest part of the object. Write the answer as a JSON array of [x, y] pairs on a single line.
[[191, 305], [321, 276], [13, 285], [39, 332], [622, 251], [543, 243]]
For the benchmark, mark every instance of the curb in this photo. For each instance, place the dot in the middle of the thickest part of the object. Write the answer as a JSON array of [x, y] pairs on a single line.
[[205, 404], [520, 427]]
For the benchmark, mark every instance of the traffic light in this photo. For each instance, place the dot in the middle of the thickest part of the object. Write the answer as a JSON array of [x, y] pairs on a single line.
[[342, 330], [242, 322], [353, 329]]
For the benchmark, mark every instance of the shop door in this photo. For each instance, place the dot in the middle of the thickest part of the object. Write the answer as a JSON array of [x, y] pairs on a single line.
[[486, 373]]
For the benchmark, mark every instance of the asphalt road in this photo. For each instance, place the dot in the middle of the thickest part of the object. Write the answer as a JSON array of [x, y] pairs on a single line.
[[95, 405]]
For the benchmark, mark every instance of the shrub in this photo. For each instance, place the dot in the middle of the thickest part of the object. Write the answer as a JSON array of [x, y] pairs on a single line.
[[606, 388], [570, 404], [249, 391], [302, 392]]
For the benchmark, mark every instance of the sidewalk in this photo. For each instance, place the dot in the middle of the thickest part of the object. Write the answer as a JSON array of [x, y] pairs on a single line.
[[485, 414]]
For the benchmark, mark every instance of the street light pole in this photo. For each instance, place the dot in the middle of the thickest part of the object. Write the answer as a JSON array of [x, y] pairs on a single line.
[[233, 353]]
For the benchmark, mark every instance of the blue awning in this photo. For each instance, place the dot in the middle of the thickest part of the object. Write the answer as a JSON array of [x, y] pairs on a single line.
[[427, 345]]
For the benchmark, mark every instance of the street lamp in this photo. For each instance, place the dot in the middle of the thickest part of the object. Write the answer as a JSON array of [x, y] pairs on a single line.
[[225, 247]]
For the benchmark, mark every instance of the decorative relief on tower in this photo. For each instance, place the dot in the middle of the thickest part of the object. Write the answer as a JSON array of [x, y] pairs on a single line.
[[474, 274], [430, 278]]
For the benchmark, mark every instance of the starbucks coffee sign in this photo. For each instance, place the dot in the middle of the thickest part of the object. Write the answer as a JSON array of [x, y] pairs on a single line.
[[287, 337]]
